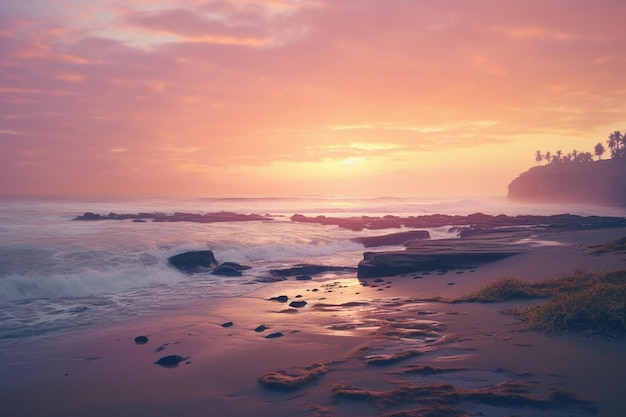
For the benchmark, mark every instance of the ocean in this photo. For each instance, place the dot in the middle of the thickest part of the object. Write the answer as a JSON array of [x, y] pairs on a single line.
[[59, 275]]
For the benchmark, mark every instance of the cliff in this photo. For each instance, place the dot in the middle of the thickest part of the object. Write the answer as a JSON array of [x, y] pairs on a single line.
[[599, 182]]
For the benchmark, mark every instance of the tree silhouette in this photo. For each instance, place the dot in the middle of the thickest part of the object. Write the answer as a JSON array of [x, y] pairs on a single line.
[[599, 150], [617, 144], [559, 155]]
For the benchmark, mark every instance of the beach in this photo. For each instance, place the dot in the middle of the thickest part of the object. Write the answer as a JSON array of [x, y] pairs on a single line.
[[393, 346]]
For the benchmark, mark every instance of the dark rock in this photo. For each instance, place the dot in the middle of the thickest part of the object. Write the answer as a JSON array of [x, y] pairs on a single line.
[[401, 238], [89, 216], [274, 335], [226, 271], [384, 264], [306, 269], [280, 299], [141, 340], [227, 324], [474, 221], [298, 304], [270, 279], [236, 266], [170, 361], [352, 223], [261, 328], [303, 278], [193, 262], [222, 216]]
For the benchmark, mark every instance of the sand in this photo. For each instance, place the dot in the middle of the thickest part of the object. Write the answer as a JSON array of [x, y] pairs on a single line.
[[380, 349]]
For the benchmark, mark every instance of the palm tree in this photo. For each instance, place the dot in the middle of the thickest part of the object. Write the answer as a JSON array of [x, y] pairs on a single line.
[[617, 144], [559, 155], [538, 157], [599, 150], [548, 157]]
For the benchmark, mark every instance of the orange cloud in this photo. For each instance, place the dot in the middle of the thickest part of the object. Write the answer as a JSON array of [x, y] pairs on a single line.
[[262, 96]]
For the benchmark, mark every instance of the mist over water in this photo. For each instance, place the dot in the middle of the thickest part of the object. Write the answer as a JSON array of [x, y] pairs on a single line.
[[57, 274]]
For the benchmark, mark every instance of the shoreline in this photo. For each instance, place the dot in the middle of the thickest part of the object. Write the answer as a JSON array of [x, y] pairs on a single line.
[[365, 341]]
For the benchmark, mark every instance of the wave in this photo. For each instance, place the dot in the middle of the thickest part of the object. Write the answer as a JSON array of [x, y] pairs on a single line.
[[285, 252], [85, 282]]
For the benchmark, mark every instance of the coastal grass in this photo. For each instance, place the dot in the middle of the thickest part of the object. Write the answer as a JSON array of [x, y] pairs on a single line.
[[618, 246], [581, 302]]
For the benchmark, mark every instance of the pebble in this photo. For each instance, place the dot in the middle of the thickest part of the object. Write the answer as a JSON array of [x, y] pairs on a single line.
[[141, 340]]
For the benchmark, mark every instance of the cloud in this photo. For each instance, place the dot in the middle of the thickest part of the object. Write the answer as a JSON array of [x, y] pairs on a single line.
[[211, 85]]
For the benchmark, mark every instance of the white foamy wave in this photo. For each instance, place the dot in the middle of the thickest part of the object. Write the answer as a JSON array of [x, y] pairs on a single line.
[[284, 252], [84, 283]]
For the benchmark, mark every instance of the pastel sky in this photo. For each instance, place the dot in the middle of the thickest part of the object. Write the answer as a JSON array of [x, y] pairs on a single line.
[[386, 97]]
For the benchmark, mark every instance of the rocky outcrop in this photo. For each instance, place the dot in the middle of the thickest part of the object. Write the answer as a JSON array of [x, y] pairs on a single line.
[[445, 254], [401, 238], [474, 221], [307, 269], [226, 271], [222, 216], [598, 183], [193, 262], [385, 264]]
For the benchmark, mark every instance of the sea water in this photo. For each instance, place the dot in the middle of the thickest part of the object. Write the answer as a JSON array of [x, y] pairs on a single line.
[[59, 275]]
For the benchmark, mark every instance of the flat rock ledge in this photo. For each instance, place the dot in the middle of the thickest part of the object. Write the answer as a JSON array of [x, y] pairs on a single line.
[[222, 216], [444, 254], [384, 264]]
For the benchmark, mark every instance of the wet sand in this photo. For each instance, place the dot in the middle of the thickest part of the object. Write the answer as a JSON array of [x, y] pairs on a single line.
[[386, 347]]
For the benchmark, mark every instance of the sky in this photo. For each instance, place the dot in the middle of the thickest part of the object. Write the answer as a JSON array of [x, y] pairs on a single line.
[[279, 97]]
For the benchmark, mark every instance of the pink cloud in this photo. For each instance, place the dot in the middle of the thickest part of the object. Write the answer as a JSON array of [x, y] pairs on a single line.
[[524, 67]]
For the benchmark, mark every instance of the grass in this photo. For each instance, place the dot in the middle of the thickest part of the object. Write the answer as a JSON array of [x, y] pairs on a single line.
[[582, 302], [618, 246]]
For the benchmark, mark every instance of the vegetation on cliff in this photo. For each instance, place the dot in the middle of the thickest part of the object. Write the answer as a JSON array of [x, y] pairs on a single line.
[[575, 177], [616, 143]]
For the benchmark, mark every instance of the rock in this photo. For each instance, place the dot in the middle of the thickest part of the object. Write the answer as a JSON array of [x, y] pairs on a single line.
[[269, 279], [478, 221], [236, 266], [261, 328], [226, 271], [89, 216], [222, 216], [170, 361], [193, 262], [298, 304], [280, 299], [384, 264], [141, 340], [401, 238], [307, 269], [352, 223], [227, 324], [274, 335]]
